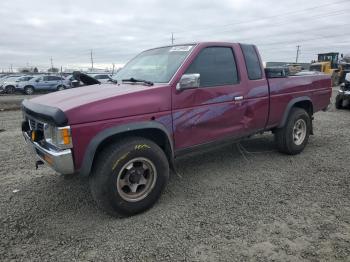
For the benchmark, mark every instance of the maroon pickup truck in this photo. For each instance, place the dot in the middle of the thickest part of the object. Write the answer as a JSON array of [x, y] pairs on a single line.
[[168, 101]]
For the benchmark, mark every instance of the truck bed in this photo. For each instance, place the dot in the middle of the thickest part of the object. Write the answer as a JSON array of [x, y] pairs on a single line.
[[317, 88]]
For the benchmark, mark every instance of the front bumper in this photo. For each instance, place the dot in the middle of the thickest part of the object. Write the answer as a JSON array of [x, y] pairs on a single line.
[[61, 161]]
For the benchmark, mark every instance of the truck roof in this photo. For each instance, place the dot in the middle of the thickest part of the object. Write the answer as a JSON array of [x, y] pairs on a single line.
[[201, 43]]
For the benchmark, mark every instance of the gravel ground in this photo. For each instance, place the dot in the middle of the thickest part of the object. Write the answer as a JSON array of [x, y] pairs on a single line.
[[12, 102], [237, 203]]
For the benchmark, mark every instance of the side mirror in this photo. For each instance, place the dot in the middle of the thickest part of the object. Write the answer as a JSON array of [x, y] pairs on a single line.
[[347, 77], [38, 80], [188, 81]]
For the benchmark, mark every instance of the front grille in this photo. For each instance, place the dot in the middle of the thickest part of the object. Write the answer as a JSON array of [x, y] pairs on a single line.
[[35, 125]]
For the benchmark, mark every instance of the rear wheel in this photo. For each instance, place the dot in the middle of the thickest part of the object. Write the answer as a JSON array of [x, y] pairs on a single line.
[[293, 137], [129, 176], [10, 89], [29, 90]]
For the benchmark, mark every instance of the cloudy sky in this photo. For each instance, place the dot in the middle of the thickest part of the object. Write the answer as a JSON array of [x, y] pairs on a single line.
[[33, 31]]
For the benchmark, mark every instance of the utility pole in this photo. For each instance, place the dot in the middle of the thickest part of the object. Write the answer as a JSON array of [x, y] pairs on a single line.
[[11, 69], [298, 51], [113, 69], [172, 38], [92, 61], [51, 63]]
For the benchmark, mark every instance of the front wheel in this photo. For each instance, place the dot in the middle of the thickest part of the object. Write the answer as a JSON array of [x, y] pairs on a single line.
[[128, 177], [29, 90], [293, 137]]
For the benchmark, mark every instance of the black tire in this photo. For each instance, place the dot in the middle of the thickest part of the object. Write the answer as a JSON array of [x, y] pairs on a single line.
[[338, 102], [10, 89], [110, 163], [29, 90], [284, 137]]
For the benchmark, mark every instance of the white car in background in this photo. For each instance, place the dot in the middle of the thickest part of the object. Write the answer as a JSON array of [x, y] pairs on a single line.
[[102, 78], [9, 84]]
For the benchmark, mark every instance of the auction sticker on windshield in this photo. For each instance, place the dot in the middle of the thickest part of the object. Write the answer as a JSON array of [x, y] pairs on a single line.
[[181, 48]]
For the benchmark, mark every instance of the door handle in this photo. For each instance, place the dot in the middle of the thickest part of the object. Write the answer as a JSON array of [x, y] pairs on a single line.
[[238, 98]]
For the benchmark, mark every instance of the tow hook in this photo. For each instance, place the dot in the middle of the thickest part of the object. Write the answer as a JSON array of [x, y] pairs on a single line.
[[38, 163]]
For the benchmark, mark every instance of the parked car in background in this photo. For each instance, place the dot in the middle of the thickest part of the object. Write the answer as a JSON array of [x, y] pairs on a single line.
[[103, 78], [73, 82], [5, 80], [43, 83], [9, 85], [7, 77]]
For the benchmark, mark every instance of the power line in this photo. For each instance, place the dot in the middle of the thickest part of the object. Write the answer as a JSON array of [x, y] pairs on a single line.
[[267, 17], [305, 21]]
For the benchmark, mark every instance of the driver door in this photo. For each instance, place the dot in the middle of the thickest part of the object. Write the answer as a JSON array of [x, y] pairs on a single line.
[[215, 110]]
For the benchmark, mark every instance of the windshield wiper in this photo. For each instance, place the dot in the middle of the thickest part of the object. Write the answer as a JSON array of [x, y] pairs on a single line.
[[133, 80]]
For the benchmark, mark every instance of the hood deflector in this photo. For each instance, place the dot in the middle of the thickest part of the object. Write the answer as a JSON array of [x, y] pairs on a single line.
[[45, 113]]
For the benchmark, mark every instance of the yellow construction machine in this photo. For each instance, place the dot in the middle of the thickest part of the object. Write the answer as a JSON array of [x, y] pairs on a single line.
[[327, 63]]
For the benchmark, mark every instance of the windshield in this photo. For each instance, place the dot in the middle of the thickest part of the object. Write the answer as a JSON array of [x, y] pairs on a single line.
[[156, 65]]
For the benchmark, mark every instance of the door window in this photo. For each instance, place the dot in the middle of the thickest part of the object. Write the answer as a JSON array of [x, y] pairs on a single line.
[[252, 62], [216, 66]]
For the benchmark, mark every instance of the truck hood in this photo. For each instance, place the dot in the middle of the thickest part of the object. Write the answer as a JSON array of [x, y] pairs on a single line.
[[106, 101]]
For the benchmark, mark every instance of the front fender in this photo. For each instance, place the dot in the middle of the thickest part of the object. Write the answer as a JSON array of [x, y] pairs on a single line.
[[103, 135]]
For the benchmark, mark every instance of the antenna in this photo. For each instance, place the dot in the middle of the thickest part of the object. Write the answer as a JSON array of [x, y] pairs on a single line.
[[113, 68]]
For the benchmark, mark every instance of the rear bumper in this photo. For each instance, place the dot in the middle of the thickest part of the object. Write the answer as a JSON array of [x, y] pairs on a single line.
[[61, 161]]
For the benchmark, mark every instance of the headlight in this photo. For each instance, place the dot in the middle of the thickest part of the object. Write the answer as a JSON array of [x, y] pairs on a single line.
[[58, 136]]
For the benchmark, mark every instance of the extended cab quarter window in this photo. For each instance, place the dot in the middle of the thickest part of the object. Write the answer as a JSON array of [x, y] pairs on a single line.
[[252, 62], [216, 66]]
